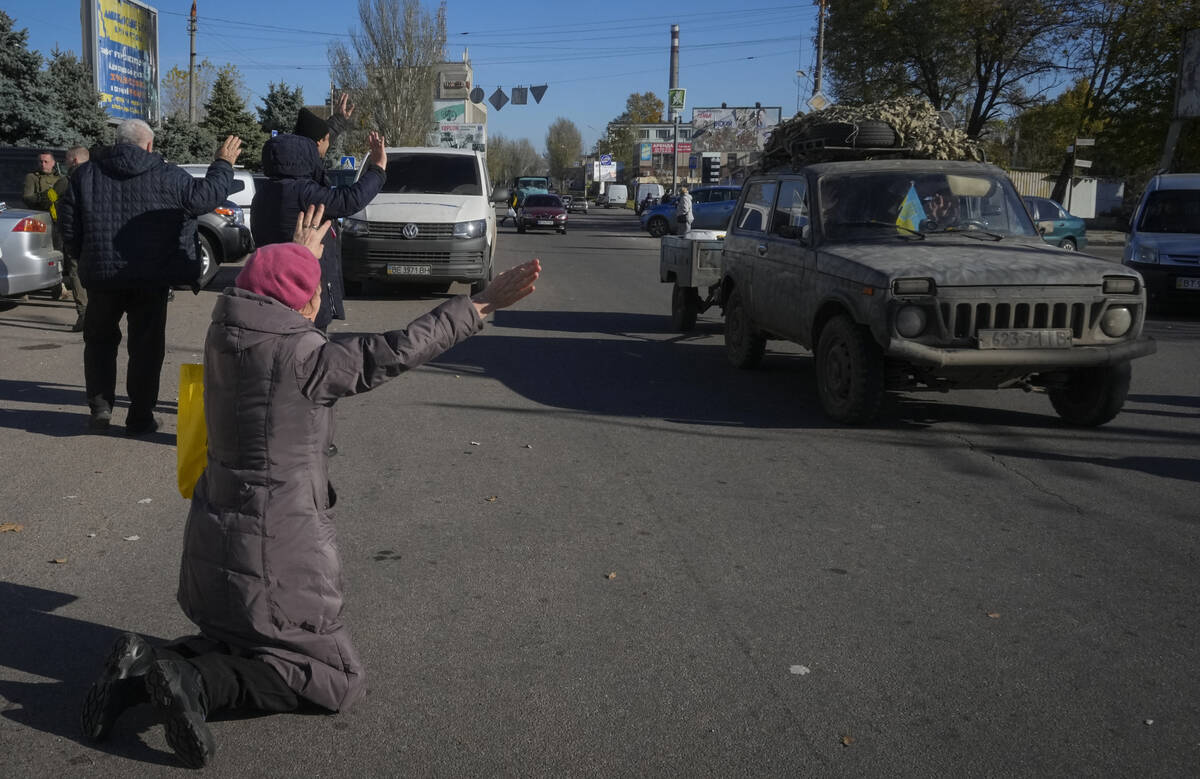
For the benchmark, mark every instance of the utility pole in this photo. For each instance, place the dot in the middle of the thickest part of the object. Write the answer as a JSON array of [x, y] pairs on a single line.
[[820, 46], [192, 66]]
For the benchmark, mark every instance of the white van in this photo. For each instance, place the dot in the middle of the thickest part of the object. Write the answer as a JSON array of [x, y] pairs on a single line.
[[644, 190], [617, 195], [433, 222], [1164, 238]]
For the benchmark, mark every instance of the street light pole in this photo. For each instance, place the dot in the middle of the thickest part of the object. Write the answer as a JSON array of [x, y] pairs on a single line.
[[675, 157]]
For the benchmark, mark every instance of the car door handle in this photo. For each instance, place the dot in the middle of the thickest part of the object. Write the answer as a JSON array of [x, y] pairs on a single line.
[[762, 250]]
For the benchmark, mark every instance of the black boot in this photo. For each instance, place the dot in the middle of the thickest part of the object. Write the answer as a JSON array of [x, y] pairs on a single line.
[[118, 687], [177, 691]]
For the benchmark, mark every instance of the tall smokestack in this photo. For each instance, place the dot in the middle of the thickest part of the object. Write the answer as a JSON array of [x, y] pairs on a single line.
[[674, 68]]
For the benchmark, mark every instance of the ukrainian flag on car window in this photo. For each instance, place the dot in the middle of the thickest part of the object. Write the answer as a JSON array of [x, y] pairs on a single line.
[[912, 213]]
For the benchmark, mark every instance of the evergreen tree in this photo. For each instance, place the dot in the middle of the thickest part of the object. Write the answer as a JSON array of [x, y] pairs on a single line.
[[69, 83], [179, 141], [280, 108], [226, 114], [27, 117]]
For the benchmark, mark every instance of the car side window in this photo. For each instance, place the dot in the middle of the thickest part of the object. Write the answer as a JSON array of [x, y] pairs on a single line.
[[790, 219], [752, 217], [700, 196]]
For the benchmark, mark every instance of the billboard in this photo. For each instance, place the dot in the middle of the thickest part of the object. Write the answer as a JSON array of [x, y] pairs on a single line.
[[459, 135], [733, 129], [120, 43], [453, 111]]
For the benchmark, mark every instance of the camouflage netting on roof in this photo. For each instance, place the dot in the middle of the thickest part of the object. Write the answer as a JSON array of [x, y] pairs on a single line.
[[919, 128]]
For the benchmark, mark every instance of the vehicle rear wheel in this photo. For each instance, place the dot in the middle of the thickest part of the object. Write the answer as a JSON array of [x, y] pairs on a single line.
[[658, 226], [850, 372], [208, 262], [685, 306], [744, 346], [1068, 244], [1091, 396]]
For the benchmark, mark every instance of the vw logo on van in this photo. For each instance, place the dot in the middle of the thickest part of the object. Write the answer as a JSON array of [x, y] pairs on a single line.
[[410, 231]]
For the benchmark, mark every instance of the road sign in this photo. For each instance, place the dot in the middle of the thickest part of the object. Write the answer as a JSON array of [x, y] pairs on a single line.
[[818, 102], [676, 99], [605, 159], [1085, 141], [1083, 163], [348, 162]]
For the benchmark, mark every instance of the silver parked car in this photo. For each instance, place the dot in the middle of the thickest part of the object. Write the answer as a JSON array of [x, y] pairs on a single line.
[[28, 260]]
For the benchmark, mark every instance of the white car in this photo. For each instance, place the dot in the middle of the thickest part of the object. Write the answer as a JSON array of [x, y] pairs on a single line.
[[242, 198], [28, 260]]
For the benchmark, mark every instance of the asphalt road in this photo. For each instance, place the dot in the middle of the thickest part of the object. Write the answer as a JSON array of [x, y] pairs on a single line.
[[582, 545]]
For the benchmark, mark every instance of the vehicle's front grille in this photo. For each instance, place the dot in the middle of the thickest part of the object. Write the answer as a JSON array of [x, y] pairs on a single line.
[[429, 258], [1181, 259], [425, 230], [965, 320]]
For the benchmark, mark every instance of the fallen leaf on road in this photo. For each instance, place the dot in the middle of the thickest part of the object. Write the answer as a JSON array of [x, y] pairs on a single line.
[[994, 615], [800, 670], [847, 740], [59, 560], [492, 498], [145, 500], [91, 535], [133, 538], [11, 527], [528, 446], [1149, 722], [474, 443], [610, 575]]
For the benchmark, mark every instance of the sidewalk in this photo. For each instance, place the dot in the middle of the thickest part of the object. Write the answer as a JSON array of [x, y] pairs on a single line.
[[1106, 238]]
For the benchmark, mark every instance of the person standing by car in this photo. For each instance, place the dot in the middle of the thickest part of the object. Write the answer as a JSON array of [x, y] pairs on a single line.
[[269, 605], [683, 211], [130, 218], [297, 180], [36, 192], [76, 156]]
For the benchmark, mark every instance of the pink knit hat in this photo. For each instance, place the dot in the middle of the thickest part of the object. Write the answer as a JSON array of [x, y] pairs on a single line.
[[287, 272]]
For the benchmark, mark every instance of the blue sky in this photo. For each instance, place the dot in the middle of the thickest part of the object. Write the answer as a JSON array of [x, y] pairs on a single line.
[[729, 52]]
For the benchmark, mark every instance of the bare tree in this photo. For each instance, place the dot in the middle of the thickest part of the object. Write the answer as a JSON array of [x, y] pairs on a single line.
[[507, 159], [388, 67], [564, 145]]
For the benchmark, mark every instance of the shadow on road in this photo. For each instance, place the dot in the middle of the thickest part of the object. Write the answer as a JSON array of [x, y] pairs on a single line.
[[1185, 468], [64, 423], [37, 642]]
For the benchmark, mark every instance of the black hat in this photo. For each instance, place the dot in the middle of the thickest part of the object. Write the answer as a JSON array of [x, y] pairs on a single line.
[[310, 125]]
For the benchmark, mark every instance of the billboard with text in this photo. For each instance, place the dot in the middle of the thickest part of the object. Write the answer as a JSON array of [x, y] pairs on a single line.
[[120, 43], [733, 129]]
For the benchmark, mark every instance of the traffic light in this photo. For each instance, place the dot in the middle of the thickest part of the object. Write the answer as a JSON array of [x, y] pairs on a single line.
[[711, 172]]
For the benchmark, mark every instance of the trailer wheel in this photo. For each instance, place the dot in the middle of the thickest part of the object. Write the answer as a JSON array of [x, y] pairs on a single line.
[[685, 306]]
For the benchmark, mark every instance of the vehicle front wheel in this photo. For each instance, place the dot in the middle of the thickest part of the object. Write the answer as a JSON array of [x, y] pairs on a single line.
[[685, 306], [479, 285], [208, 262], [1091, 396], [744, 346], [658, 226], [1068, 244], [850, 372]]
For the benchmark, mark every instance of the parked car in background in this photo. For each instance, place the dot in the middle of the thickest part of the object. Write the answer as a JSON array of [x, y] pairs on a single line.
[[578, 205], [542, 212], [241, 197], [1056, 225], [711, 209], [223, 237], [616, 196], [28, 260], [1164, 238]]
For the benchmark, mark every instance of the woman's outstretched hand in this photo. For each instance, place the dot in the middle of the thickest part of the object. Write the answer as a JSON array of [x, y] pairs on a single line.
[[507, 288], [310, 231]]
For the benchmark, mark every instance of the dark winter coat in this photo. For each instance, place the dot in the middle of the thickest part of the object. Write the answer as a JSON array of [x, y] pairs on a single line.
[[130, 218], [260, 568], [297, 180]]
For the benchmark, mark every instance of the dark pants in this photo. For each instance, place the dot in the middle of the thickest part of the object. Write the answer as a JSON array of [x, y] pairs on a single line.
[[234, 682], [145, 310], [70, 268]]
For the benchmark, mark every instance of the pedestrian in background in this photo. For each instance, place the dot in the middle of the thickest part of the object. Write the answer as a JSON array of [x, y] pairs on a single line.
[[76, 156], [683, 211], [297, 180], [130, 219], [260, 575], [36, 192]]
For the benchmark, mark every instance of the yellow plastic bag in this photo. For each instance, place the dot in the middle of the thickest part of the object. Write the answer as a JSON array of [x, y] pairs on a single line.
[[191, 438]]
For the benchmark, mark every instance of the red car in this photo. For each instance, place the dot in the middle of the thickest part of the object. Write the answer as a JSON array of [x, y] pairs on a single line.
[[542, 211]]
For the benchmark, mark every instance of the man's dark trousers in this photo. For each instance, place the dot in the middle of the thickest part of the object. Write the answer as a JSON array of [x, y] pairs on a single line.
[[145, 309]]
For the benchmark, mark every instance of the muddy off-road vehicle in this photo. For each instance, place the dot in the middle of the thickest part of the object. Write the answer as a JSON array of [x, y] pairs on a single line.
[[903, 274]]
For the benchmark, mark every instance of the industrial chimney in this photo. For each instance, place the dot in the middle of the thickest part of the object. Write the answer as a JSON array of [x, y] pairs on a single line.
[[674, 76]]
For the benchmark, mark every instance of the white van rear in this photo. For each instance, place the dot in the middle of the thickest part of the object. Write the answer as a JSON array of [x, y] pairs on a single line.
[[617, 195]]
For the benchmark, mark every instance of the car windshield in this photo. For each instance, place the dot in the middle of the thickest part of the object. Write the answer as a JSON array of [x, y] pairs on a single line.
[[1171, 211], [543, 201], [533, 182], [433, 174], [855, 206]]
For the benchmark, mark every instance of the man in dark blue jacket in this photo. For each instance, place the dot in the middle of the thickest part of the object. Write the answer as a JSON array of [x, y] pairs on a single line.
[[130, 218], [297, 176]]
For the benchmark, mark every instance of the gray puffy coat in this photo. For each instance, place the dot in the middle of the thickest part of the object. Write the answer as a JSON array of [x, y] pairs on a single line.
[[260, 567]]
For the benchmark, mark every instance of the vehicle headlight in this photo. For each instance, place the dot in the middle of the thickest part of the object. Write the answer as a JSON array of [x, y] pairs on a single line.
[[911, 321], [355, 226], [912, 287], [1116, 321], [1119, 285], [561, 217], [472, 229], [1146, 254]]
